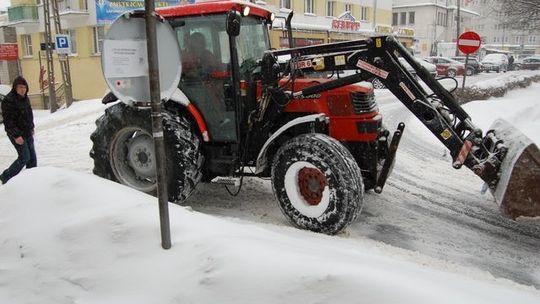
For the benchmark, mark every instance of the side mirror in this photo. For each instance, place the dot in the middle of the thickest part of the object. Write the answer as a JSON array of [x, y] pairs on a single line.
[[233, 23]]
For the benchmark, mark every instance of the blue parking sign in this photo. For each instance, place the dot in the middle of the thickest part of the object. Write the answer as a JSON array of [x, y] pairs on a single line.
[[63, 44]]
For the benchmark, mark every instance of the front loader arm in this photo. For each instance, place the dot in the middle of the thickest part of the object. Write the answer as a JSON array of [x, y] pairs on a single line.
[[376, 57], [438, 111]]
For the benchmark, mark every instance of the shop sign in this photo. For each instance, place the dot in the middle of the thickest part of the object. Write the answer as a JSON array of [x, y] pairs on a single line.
[[345, 25], [384, 29], [402, 31], [9, 51], [108, 10]]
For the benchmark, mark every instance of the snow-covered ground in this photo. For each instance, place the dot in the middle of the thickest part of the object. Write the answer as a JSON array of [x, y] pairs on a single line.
[[67, 236]]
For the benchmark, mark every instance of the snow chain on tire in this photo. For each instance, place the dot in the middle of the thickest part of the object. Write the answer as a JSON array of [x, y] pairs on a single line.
[[342, 199], [183, 149]]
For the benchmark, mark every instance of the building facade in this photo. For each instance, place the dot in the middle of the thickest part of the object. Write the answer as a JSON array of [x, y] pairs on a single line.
[[436, 27], [314, 22], [78, 19], [433, 21], [498, 32]]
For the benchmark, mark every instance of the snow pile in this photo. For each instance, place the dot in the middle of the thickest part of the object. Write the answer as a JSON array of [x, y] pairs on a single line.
[[76, 238], [497, 87], [502, 81]]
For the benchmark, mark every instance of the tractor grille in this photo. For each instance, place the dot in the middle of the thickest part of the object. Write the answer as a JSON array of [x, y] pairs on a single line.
[[363, 102]]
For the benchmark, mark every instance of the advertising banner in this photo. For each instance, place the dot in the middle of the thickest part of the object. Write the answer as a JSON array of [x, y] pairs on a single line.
[[108, 10], [9, 51]]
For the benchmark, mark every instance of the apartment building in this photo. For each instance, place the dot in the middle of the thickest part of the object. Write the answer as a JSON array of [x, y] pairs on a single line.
[[78, 19], [433, 21], [498, 33]]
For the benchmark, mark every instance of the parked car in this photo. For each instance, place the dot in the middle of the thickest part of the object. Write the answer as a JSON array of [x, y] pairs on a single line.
[[430, 67], [495, 62], [446, 66], [530, 63], [473, 66], [4, 90]]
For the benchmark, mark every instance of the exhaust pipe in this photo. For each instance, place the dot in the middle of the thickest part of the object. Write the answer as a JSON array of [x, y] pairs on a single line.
[[517, 190]]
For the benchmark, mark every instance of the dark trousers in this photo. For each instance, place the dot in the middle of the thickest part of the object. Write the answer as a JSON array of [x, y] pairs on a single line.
[[27, 157]]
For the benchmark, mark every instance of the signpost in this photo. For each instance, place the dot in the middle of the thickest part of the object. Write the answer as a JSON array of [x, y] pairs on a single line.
[[136, 76], [63, 44], [468, 42]]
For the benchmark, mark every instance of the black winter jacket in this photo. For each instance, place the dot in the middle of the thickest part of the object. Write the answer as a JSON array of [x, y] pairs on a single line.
[[18, 116]]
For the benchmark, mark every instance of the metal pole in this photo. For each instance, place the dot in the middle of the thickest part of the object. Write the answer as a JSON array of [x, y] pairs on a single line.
[[465, 75], [157, 129], [458, 25], [48, 50]]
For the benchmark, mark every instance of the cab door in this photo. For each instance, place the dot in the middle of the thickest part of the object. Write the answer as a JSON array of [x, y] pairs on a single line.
[[207, 82]]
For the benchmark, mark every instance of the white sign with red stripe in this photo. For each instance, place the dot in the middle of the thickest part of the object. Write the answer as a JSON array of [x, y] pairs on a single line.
[[372, 69], [469, 42]]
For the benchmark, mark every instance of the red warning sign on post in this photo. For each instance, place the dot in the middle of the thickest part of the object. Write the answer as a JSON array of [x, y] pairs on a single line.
[[469, 42], [9, 51]]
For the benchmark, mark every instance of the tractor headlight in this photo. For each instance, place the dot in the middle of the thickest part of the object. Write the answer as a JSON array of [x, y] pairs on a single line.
[[245, 11]]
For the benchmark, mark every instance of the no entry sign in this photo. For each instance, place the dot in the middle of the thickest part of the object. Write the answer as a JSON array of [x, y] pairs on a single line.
[[468, 42]]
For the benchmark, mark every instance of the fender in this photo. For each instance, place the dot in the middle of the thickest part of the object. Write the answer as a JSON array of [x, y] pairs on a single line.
[[261, 158], [181, 98]]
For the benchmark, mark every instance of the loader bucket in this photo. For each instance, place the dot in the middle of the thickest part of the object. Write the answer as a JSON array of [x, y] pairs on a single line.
[[518, 189]]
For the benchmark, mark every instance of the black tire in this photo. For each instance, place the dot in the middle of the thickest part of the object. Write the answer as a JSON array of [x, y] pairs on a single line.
[[469, 72], [120, 151], [340, 200], [451, 73]]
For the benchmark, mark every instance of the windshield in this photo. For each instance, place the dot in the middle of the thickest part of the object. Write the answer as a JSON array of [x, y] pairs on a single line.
[[252, 42]]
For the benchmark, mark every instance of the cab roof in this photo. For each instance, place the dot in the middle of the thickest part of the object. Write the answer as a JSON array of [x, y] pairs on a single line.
[[211, 7]]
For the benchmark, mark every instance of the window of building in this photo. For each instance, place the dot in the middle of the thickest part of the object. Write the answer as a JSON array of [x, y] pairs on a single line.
[[73, 40], [402, 18], [532, 39], [330, 8], [308, 6], [364, 13], [27, 45], [98, 32], [494, 39], [411, 17], [285, 4], [38, 2], [394, 18], [348, 7]]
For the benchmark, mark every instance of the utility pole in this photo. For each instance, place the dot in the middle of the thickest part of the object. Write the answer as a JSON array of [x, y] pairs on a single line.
[[458, 24], [63, 58], [53, 106]]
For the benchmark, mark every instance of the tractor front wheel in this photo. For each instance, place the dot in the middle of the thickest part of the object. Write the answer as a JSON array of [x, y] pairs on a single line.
[[317, 183]]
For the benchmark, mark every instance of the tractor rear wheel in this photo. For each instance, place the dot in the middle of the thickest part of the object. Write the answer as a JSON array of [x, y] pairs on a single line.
[[317, 183], [123, 151]]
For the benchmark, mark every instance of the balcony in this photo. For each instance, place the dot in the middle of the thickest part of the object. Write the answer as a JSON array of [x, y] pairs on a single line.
[[72, 9], [23, 15]]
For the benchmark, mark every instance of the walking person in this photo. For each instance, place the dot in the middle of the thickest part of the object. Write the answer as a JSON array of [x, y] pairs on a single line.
[[19, 126]]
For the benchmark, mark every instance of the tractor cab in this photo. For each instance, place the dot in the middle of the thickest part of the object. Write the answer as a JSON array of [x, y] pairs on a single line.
[[207, 65]]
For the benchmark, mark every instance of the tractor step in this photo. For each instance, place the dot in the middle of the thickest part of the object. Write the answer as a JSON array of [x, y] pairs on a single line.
[[226, 180]]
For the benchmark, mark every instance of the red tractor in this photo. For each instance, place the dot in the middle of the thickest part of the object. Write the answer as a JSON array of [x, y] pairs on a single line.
[[321, 140]]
